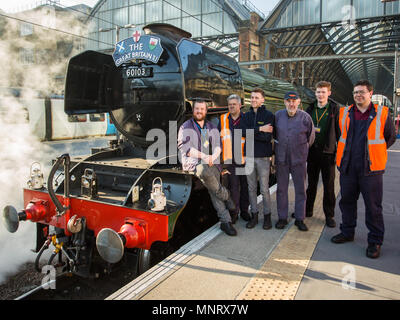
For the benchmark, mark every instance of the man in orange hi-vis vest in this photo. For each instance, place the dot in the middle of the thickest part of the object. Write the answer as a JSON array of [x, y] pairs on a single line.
[[233, 156], [366, 132]]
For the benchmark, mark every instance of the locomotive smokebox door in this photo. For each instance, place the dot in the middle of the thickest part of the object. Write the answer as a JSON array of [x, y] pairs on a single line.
[[89, 184]]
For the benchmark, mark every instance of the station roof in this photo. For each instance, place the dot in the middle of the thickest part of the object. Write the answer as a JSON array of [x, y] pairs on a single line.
[[304, 28], [213, 23]]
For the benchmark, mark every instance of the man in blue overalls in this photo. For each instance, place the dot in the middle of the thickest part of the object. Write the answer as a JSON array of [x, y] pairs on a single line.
[[294, 134]]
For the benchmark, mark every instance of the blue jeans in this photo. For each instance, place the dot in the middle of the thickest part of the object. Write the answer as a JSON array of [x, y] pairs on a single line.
[[211, 179], [260, 171]]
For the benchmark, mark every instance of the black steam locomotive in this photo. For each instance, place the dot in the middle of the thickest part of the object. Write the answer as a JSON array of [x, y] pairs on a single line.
[[133, 198]]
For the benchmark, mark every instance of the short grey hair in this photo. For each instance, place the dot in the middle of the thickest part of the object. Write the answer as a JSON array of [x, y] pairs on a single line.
[[234, 96]]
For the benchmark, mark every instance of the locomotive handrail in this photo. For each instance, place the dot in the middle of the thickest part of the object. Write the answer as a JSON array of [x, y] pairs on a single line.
[[225, 69], [60, 208]]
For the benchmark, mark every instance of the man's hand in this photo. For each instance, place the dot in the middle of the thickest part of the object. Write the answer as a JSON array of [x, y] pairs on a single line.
[[266, 128], [224, 172], [207, 159]]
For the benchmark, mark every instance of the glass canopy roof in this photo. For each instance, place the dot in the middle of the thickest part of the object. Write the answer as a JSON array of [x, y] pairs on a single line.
[[298, 28]]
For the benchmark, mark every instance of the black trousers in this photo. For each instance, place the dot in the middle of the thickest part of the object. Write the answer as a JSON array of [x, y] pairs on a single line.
[[237, 185], [319, 162], [371, 188]]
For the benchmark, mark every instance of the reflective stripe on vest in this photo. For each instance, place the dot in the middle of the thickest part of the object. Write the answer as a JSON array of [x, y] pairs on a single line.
[[377, 151], [227, 139]]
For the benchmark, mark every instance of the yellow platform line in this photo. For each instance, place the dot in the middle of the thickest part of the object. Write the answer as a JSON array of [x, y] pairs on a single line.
[[280, 276]]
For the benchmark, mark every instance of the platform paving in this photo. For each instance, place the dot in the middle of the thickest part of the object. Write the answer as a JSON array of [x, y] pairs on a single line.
[[289, 264], [342, 271]]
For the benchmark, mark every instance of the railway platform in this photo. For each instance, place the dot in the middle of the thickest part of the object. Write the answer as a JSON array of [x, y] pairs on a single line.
[[282, 264]]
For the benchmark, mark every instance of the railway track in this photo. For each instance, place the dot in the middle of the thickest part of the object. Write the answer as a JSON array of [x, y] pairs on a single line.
[[72, 287]]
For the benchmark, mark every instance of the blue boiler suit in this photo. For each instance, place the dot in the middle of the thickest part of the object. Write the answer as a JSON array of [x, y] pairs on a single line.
[[293, 137]]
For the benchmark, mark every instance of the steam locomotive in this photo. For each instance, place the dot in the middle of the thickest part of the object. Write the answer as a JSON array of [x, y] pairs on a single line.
[[132, 199]]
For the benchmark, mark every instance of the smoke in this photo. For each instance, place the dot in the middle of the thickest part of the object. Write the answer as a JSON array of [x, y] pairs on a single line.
[[32, 58], [18, 149]]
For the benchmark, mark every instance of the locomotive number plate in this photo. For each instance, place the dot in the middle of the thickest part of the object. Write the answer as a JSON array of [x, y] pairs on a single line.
[[135, 72]]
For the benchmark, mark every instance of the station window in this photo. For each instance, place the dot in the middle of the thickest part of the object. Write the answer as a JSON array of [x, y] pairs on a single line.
[[136, 14], [26, 29], [97, 117], [26, 56], [171, 9], [153, 11], [77, 118]]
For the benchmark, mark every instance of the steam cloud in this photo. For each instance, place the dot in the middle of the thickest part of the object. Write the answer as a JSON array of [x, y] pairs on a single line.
[[19, 148]]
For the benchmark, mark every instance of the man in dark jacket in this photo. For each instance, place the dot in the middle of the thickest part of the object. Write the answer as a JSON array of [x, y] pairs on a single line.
[[322, 154], [260, 121]]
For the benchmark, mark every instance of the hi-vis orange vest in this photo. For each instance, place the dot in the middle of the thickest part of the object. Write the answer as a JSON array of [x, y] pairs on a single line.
[[227, 139], [377, 151]]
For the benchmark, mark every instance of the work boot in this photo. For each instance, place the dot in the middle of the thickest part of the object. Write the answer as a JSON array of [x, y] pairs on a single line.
[[245, 215], [301, 225], [228, 228], [281, 224], [254, 220], [341, 238], [373, 251], [330, 222], [267, 221]]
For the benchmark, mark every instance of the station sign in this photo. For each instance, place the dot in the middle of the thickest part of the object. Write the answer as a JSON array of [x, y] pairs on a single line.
[[141, 47]]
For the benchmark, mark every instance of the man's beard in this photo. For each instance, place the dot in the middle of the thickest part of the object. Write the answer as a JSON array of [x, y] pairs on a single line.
[[199, 117], [291, 113]]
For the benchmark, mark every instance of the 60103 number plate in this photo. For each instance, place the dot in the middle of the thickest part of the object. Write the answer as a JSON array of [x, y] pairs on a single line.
[[135, 72]]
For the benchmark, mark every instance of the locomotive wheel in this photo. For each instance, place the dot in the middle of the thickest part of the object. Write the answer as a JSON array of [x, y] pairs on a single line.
[[144, 260]]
